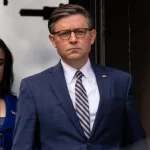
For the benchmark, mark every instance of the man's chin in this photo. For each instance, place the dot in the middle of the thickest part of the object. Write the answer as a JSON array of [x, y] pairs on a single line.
[[74, 57]]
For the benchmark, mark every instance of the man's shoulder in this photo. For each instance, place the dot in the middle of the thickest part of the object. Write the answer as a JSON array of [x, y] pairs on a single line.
[[119, 77], [113, 72], [41, 76]]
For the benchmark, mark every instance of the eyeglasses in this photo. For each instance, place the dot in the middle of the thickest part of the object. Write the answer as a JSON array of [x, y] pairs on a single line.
[[2, 61], [65, 34]]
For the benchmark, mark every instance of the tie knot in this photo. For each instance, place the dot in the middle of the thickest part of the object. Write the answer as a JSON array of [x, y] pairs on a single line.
[[79, 74]]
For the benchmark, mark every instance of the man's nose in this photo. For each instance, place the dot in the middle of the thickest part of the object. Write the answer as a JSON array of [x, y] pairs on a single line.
[[73, 37]]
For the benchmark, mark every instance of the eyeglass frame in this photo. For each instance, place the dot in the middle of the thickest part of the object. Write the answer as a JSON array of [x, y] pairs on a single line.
[[58, 33]]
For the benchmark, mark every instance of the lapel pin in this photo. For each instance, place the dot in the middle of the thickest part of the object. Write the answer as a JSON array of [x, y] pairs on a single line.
[[14, 113], [104, 76]]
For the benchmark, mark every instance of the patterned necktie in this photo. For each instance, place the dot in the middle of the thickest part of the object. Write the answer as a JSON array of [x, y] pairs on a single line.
[[82, 105]]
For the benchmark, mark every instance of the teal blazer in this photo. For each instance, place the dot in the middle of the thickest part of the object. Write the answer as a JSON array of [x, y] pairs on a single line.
[[9, 122]]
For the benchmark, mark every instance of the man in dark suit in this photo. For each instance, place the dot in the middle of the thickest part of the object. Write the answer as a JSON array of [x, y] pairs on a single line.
[[77, 105]]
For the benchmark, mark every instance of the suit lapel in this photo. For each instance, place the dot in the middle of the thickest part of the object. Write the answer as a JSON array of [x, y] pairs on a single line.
[[10, 115], [59, 88], [103, 82]]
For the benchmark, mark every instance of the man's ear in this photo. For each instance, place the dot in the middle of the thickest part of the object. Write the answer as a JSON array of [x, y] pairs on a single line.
[[52, 39], [93, 36]]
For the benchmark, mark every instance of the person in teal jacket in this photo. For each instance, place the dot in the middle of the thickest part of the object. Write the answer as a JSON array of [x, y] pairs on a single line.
[[7, 98]]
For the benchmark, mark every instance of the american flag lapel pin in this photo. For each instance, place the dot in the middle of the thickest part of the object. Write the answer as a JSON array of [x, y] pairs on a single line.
[[104, 76], [14, 113]]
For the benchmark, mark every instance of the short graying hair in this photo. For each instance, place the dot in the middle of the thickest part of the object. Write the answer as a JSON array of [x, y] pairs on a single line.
[[65, 10]]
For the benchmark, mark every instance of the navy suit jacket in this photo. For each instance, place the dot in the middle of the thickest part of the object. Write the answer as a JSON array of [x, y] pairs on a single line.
[[9, 122], [47, 119]]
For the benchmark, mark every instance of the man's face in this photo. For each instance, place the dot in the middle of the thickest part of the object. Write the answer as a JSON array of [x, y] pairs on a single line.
[[73, 48], [2, 57]]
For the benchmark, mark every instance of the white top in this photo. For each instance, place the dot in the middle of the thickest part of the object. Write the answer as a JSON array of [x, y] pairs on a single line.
[[89, 83]]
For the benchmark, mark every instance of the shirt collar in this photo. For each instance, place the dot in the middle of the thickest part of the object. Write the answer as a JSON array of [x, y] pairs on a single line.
[[69, 71], [87, 69]]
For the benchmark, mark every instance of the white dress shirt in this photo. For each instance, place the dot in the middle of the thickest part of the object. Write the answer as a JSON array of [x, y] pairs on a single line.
[[89, 83]]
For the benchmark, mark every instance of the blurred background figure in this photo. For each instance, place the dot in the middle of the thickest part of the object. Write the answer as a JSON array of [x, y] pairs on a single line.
[[7, 98]]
